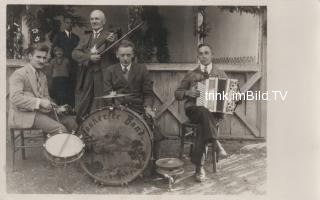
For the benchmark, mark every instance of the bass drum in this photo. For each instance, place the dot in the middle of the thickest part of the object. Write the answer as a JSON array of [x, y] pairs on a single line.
[[119, 145]]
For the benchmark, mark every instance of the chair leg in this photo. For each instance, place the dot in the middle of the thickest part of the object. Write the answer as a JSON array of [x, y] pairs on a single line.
[[23, 150], [194, 130], [214, 158], [13, 148], [183, 132]]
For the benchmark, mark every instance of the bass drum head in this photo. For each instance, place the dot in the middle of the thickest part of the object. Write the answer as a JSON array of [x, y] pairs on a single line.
[[119, 145]]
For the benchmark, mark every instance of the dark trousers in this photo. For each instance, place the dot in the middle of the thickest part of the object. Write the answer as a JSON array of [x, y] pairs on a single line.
[[73, 82], [206, 131], [92, 87], [60, 90]]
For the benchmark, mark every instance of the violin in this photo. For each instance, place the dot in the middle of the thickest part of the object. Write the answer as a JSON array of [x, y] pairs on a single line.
[[96, 48]]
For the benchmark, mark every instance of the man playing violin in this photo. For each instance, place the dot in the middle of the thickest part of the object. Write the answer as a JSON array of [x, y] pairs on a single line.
[[91, 63]]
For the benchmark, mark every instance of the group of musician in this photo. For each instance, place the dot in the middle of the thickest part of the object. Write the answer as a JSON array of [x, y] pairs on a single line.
[[101, 74]]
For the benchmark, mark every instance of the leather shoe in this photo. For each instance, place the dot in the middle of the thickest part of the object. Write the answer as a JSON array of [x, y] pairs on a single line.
[[200, 175]]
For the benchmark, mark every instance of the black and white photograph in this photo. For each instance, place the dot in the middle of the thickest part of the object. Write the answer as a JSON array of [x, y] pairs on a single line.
[[139, 99]]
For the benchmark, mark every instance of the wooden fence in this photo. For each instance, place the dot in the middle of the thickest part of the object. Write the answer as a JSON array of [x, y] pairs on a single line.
[[248, 121]]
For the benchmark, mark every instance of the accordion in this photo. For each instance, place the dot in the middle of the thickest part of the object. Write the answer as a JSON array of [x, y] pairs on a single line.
[[218, 94]]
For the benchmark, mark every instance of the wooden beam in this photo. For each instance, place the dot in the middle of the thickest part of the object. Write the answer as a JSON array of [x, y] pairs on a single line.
[[262, 108], [173, 112], [191, 66], [169, 66], [16, 63], [251, 127], [164, 107], [250, 82], [241, 138], [238, 68]]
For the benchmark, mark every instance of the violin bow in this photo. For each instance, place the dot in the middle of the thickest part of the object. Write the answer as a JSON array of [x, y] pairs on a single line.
[[129, 32]]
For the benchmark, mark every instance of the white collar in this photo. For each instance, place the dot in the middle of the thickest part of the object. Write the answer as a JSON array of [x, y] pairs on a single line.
[[67, 32], [128, 67], [98, 31], [209, 68], [32, 68]]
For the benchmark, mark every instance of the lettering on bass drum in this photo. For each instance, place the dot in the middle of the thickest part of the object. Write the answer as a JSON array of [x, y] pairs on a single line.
[[119, 145]]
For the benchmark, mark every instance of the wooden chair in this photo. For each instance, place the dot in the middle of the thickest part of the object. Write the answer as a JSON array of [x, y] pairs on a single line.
[[187, 136], [25, 135]]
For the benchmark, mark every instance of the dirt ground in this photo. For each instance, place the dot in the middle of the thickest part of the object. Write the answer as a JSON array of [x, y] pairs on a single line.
[[243, 172]]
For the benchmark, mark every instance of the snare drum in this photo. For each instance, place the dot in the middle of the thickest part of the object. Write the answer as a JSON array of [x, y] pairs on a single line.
[[119, 145], [63, 148]]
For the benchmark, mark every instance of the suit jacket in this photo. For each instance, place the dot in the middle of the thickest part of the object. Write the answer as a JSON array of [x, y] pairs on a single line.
[[139, 84], [24, 96], [67, 44], [81, 54], [191, 79]]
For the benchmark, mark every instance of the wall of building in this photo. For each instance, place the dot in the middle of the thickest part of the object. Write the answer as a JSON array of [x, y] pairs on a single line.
[[232, 34], [178, 21], [182, 42]]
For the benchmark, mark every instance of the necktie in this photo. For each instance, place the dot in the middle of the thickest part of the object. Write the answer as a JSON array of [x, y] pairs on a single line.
[[38, 81], [205, 72], [95, 35], [125, 72], [125, 69]]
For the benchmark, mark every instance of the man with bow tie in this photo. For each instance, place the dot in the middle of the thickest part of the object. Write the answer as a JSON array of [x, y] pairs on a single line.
[[30, 103], [87, 54], [207, 122], [67, 40]]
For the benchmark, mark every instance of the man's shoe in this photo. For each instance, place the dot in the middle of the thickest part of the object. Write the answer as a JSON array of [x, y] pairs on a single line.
[[200, 175], [220, 150]]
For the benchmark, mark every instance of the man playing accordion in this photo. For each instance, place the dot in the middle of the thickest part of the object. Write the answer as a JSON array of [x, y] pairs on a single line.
[[207, 131]]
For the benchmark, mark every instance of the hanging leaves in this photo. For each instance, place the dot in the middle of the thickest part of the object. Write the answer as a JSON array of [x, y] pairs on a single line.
[[46, 20], [151, 39]]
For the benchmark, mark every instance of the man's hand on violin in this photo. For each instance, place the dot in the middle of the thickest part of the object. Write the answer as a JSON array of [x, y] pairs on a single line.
[[111, 37], [95, 58]]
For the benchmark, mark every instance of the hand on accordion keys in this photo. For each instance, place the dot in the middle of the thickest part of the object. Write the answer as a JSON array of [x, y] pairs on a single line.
[[193, 92]]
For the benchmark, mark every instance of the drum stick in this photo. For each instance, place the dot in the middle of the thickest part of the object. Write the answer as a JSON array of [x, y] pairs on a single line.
[[64, 144], [55, 112], [68, 137]]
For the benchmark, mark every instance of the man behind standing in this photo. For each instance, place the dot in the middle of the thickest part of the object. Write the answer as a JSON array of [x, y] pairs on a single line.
[[207, 121], [67, 40], [30, 103], [90, 82]]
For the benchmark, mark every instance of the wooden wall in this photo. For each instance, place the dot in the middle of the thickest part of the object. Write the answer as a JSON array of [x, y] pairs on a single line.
[[246, 123]]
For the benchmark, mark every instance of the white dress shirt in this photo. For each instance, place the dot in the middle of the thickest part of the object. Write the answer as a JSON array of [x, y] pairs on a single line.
[[68, 33], [96, 34], [128, 67], [38, 99], [209, 68]]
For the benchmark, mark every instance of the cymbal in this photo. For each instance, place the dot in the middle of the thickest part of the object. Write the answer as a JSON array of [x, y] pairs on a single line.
[[169, 163], [109, 96]]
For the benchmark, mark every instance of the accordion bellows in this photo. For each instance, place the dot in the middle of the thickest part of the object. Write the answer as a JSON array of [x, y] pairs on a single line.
[[218, 94]]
